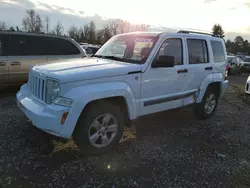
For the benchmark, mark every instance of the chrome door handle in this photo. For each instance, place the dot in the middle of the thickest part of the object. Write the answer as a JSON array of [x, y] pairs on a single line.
[[15, 63], [2, 64]]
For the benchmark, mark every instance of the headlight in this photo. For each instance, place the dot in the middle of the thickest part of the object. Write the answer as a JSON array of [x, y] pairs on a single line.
[[63, 101], [52, 91]]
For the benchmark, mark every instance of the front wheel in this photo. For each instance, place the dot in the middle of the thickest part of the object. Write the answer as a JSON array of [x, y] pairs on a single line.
[[100, 129], [208, 105]]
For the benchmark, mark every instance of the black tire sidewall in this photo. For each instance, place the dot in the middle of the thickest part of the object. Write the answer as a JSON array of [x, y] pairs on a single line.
[[200, 107], [81, 136]]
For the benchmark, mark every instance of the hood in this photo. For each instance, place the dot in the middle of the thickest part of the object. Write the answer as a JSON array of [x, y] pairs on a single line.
[[84, 69]]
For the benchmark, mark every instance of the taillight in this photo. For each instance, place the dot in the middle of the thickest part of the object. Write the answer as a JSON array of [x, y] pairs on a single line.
[[226, 71]]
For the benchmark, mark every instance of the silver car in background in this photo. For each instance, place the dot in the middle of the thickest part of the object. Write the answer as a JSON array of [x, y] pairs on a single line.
[[234, 65], [246, 63]]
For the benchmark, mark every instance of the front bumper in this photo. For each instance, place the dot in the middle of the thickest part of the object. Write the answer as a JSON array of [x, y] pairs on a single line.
[[44, 117], [224, 86]]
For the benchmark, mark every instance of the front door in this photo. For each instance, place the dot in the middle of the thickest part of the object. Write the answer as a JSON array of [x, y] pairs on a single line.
[[162, 87]]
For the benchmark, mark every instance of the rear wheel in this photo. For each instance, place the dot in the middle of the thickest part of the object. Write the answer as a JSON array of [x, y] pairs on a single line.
[[208, 105], [100, 129]]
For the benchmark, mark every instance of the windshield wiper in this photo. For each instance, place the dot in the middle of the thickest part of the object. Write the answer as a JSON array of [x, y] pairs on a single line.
[[117, 58]]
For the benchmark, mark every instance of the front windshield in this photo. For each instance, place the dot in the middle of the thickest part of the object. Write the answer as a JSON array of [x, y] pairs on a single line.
[[128, 48]]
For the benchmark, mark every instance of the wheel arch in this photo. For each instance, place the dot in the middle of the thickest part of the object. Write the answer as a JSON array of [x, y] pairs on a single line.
[[118, 93], [212, 80]]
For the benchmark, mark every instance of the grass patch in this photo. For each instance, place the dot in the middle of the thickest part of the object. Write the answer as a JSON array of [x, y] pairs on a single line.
[[241, 176]]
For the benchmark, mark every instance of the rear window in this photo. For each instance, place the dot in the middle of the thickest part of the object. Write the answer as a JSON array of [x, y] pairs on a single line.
[[218, 51]]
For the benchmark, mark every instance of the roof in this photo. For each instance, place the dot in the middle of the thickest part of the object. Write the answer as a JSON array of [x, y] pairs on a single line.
[[32, 34]]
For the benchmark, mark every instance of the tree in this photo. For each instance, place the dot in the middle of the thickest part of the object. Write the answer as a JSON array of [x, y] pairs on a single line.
[[59, 28], [113, 26], [47, 22], [239, 43], [32, 22], [218, 31], [2, 26], [86, 32], [91, 33], [73, 33]]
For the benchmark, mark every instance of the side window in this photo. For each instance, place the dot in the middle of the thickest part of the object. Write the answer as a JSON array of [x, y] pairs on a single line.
[[1, 45], [88, 50], [218, 51], [197, 51], [57, 46], [172, 47], [94, 50], [24, 45]]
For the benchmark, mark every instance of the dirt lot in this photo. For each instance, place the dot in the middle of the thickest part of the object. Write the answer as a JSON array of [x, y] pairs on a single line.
[[170, 149]]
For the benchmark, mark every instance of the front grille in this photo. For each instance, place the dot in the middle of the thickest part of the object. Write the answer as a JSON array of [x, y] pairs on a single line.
[[247, 87], [37, 86]]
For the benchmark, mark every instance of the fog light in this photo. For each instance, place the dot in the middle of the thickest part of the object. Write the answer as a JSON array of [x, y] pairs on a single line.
[[64, 117]]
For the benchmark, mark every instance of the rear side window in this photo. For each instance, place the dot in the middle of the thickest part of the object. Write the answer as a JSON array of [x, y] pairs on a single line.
[[2, 45], [218, 51], [197, 51], [57, 46], [24, 45]]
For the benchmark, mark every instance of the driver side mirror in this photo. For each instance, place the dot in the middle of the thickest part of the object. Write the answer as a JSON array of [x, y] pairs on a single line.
[[164, 61]]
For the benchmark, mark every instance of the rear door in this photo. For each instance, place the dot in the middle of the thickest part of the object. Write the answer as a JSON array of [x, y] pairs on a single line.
[[219, 56], [199, 62], [24, 51], [59, 49], [3, 61]]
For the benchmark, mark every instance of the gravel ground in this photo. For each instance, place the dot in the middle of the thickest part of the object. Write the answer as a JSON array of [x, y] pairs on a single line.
[[170, 149]]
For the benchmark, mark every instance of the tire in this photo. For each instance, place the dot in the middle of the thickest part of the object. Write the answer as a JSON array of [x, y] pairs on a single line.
[[200, 110], [85, 129]]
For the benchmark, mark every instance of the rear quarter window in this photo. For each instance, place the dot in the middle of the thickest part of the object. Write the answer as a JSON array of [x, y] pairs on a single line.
[[218, 51]]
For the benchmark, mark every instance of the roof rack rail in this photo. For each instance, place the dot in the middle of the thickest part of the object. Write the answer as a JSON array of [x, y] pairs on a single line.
[[195, 32]]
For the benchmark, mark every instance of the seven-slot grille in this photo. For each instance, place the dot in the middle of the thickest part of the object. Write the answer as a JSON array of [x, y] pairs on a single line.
[[37, 86]]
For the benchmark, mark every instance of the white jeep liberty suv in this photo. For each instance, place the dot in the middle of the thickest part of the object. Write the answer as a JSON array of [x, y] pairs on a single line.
[[131, 75]]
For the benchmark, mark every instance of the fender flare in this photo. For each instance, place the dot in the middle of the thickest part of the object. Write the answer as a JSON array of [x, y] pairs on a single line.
[[208, 79], [85, 94]]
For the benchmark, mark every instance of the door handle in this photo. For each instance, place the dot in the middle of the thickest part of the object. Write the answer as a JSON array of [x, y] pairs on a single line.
[[2, 64], [182, 71], [209, 68], [15, 63]]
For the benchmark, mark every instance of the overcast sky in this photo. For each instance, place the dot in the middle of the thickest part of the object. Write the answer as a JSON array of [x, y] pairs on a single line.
[[233, 15]]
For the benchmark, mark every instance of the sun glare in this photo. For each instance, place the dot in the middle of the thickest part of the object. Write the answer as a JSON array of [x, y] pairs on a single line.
[[197, 14]]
